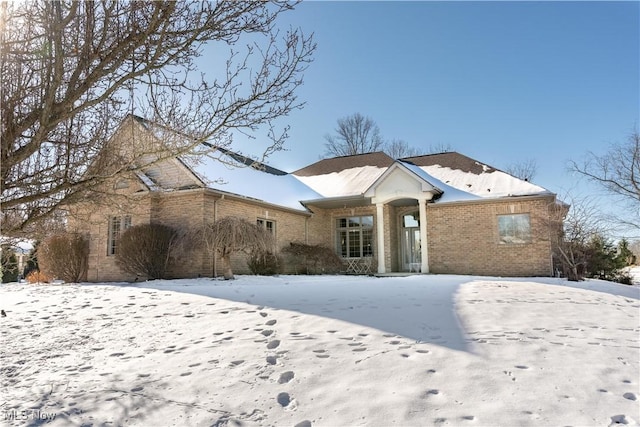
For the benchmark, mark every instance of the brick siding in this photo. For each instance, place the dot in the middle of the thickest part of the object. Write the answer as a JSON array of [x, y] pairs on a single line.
[[463, 239]]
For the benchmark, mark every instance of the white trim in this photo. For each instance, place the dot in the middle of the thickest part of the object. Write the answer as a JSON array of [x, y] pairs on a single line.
[[424, 250]]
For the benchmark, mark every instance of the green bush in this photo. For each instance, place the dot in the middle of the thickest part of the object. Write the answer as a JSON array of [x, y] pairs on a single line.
[[264, 263], [623, 277], [312, 259], [9, 265], [64, 256]]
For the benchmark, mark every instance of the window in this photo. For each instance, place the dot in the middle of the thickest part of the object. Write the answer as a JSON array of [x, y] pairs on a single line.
[[355, 236], [514, 229], [117, 224], [268, 225]]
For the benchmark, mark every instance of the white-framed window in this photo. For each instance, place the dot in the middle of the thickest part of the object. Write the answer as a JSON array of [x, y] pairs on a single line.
[[117, 224], [355, 236], [267, 224], [514, 228]]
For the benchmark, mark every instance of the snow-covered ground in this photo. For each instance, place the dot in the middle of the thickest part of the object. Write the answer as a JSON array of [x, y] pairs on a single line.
[[322, 351], [634, 272]]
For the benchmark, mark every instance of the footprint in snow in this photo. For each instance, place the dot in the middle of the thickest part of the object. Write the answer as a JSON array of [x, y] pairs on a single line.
[[285, 377], [619, 420], [271, 360], [630, 396], [284, 399], [273, 344], [271, 322]]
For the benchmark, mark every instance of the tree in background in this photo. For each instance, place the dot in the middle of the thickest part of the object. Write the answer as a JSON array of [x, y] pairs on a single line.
[[355, 134], [8, 264], [634, 246], [625, 254], [71, 71], [399, 149], [570, 228], [581, 243], [525, 170], [617, 172], [602, 258], [229, 235]]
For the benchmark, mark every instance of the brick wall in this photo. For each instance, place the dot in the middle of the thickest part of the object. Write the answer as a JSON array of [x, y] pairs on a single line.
[[92, 219], [186, 211], [463, 239]]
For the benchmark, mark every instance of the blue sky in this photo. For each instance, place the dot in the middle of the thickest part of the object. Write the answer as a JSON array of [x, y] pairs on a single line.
[[501, 82]]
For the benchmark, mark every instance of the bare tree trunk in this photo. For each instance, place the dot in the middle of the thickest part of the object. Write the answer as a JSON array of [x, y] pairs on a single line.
[[226, 267]]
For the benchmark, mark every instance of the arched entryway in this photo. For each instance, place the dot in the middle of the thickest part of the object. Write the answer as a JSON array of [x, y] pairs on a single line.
[[396, 186]]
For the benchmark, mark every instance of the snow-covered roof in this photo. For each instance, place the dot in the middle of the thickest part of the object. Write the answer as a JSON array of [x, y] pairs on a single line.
[[449, 193], [344, 176], [348, 182], [221, 171], [470, 176], [458, 176]]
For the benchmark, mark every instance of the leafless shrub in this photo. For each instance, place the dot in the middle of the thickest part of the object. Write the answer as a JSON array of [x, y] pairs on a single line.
[[571, 229], [37, 277], [64, 256], [312, 259], [264, 263], [147, 249], [230, 234]]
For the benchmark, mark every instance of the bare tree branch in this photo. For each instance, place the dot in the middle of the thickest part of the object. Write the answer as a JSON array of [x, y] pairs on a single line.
[[398, 149], [71, 71], [617, 172], [525, 169], [355, 134]]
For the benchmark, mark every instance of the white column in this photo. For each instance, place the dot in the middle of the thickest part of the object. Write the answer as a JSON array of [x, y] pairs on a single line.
[[424, 268], [380, 232]]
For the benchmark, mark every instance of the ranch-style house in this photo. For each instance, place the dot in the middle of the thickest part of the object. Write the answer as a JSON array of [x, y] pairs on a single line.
[[438, 213]]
